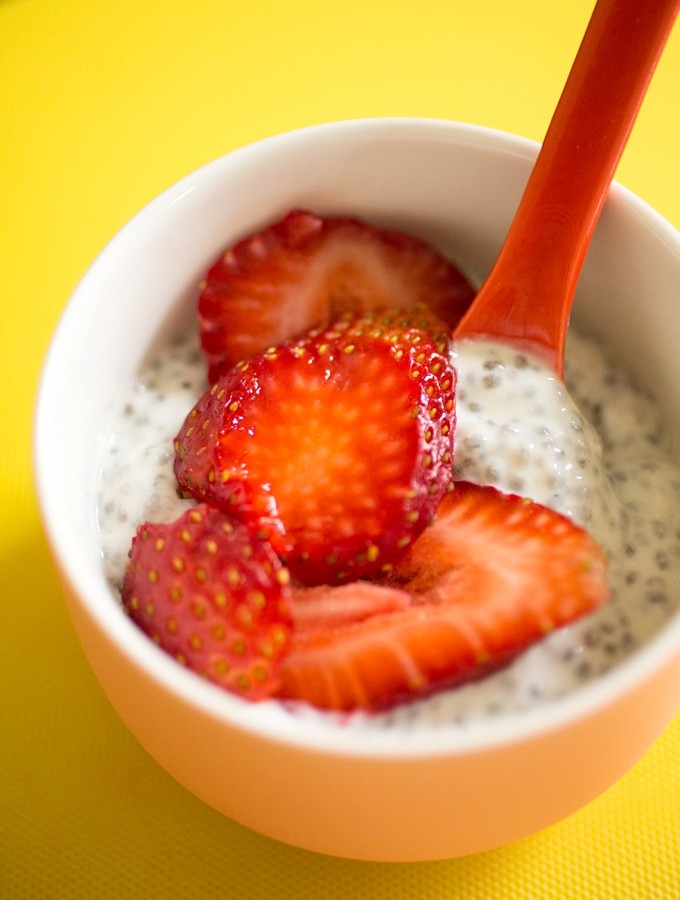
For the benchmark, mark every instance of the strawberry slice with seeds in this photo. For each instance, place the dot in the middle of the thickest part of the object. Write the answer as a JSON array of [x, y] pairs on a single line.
[[492, 575], [214, 597], [338, 446], [303, 270]]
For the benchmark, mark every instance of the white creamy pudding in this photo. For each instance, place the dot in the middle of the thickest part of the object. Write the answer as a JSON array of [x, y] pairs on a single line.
[[520, 430], [593, 448]]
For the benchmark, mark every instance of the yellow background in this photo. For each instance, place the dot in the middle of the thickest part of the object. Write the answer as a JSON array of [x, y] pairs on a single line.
[[103, 104]]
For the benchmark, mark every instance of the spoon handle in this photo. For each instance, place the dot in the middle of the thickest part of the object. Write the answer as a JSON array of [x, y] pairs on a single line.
[[527, 297]]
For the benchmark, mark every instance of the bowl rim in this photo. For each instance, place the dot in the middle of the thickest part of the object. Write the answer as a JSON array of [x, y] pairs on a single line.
[[269, 720]]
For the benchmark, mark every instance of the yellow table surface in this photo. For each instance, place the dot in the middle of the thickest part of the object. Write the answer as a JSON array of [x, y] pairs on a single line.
[[103, 104]]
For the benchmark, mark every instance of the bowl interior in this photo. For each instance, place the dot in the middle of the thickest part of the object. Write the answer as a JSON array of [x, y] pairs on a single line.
[[454, 185]]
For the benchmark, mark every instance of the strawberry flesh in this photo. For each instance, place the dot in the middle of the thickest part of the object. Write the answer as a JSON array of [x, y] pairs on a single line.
[[337, 446], [303, 270], [323, 608], [214, 597], [492, 575]]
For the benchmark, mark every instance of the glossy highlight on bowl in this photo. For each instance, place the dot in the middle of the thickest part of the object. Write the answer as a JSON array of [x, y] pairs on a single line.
[[429, 793]]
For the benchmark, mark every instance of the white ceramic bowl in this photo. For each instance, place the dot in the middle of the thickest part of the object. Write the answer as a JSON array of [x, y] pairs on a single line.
[[430, 794]]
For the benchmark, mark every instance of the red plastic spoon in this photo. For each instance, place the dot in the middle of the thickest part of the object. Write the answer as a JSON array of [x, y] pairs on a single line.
[[527, 297]]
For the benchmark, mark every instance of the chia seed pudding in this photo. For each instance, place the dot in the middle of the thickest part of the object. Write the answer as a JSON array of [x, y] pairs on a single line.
[[594, 448]]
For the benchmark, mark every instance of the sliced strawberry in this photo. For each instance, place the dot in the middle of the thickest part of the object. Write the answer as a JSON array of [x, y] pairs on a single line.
[[214, 597], [343, 439], [301, 271], [393, 325], [493, 574], [322, 608]]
